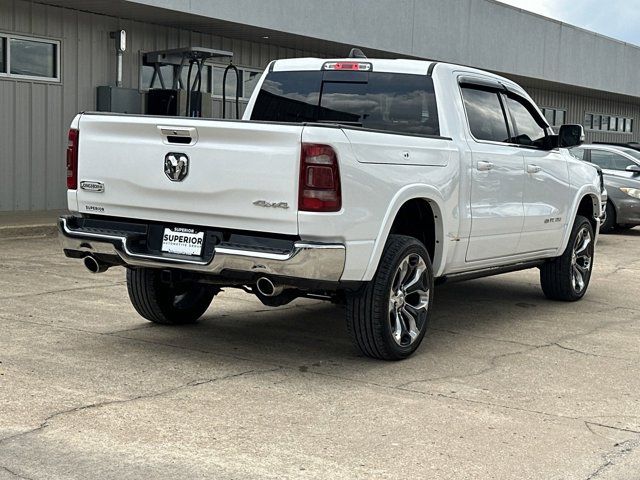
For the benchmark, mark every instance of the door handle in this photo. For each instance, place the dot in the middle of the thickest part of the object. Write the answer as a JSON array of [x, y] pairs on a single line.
[[484, 166], [531, 168]]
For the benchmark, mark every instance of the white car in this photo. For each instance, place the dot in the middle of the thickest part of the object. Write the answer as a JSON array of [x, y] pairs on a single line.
[[357, 180]]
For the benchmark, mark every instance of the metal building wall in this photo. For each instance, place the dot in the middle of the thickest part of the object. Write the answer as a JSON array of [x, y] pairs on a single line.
[[35, 116], [577, 105]]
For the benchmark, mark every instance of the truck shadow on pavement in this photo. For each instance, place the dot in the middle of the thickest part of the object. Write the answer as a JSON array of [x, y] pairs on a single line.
[[307, 332]]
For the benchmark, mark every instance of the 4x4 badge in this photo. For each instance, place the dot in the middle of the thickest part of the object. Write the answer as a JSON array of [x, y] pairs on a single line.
[[176, 166]]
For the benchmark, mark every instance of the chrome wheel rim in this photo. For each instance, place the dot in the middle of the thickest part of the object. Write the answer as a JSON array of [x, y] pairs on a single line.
[[409, 300], [581, 260]]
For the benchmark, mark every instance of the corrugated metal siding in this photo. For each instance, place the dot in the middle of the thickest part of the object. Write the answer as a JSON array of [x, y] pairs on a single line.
[[36, 115], [577, 105]]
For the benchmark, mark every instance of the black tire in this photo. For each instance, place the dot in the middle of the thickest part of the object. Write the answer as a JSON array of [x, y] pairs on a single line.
[[609, 224], [558, 277], [163, 303], [369, 311]]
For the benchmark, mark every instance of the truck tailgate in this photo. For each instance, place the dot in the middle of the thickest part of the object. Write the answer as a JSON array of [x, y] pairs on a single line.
[[230, 165]]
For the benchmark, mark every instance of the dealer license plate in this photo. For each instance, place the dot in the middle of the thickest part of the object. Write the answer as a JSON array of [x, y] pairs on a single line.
[[183, 241]]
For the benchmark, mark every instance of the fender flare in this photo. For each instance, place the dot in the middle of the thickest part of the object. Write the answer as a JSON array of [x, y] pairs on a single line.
[[585, 191], [407, 193]]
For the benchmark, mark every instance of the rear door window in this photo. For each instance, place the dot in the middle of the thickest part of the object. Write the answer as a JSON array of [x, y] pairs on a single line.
[[394, 102], [486, 116]]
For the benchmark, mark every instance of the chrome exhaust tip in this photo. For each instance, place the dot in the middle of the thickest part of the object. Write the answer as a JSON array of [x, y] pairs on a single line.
[[267, 288], [95, 266]]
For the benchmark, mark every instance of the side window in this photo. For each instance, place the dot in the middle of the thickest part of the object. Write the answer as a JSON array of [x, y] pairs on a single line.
[[621, 163], [485, 114], [604, 159], [528, 131], [577, 152]]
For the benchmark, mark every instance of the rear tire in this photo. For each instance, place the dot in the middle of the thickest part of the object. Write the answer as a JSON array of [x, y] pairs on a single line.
[[609, 224], [165, 303], [567, 276], [388, 317]]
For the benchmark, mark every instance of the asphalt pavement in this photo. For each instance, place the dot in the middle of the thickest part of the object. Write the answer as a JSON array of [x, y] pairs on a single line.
[[507, 385]]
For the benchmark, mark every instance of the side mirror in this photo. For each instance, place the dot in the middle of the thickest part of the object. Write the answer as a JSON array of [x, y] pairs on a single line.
[[570, 136], [635, 169]]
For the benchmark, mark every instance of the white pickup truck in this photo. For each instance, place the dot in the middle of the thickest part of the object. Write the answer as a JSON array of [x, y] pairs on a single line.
[[362, 181]]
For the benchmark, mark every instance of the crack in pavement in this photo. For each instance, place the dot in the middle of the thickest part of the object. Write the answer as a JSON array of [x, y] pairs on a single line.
[[492, 362], [622, 449], [13, 473], [193, 383], [491, 366], [483, 337], [589, 424], [588, 354]]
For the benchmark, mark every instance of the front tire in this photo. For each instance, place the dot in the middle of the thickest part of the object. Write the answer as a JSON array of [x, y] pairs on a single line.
[[164, 303], [609, 224], [387, 319], [567, 276]]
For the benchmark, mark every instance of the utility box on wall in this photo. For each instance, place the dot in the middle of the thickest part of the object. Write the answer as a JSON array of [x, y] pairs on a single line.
[[119, 100]]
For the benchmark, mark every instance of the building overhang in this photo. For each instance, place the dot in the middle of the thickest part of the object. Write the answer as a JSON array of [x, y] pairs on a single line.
[[481, 33]]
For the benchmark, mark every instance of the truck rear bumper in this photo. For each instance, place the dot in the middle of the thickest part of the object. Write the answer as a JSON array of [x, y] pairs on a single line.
[[305, 260]]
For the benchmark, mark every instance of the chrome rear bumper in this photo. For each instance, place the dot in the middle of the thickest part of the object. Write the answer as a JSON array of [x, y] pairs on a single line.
[[309, 261]]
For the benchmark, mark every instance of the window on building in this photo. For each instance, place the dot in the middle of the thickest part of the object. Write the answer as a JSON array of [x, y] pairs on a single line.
[[204, 81], [231, 83], [30, 58], [485, 114], [3, 62], [610, 123], [146, 77], [250, 80], [555, 117]]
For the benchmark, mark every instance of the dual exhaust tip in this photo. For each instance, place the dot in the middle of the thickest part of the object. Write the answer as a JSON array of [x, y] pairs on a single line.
[[264, 285], [267, 288], [94, 265]]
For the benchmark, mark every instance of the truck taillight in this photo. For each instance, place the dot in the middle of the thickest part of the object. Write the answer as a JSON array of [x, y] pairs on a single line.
[[72, 159], [319, 179]]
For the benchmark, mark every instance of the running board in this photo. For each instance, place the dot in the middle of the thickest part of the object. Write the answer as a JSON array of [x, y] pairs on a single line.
[[488, 272]]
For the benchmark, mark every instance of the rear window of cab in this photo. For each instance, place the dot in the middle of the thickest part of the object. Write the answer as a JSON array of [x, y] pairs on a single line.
[[394, 102]]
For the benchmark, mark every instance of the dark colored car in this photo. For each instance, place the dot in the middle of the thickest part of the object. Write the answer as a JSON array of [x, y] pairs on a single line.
[[621, 168]]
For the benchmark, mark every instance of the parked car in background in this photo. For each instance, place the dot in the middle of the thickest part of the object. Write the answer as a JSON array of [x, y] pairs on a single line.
[[621, 168]]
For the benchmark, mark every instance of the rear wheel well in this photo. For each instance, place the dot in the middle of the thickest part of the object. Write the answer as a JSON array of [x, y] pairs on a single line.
[[588, 208], [416, 219]]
